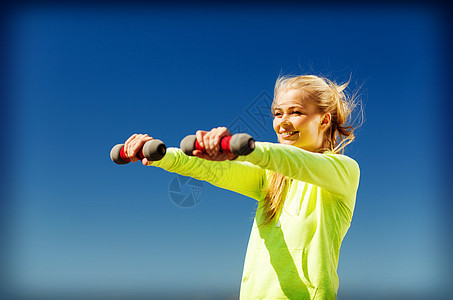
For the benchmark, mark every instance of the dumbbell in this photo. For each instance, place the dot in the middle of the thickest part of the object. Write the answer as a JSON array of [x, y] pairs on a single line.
[[238, 144], [152, 150]]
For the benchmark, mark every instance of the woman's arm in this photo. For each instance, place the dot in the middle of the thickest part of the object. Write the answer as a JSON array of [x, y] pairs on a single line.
[[241, 177], [335, 173]]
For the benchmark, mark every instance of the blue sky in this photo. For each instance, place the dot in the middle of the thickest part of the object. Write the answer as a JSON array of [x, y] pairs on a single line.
[[84, 78]]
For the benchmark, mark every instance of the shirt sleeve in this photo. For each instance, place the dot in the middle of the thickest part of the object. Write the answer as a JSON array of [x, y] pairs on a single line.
[[335, 173], [241, 177]]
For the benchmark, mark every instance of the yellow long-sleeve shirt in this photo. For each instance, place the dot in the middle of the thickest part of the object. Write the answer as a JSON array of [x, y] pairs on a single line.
[[296, 255]]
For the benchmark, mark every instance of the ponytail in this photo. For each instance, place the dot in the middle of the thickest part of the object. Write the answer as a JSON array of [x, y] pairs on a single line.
[[273, 200], [340, 106]]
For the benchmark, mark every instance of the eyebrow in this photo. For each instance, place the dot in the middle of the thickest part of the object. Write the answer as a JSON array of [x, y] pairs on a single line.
[[291, 107]]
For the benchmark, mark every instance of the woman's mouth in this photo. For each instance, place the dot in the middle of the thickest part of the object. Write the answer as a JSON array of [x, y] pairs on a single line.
[[288, 134]]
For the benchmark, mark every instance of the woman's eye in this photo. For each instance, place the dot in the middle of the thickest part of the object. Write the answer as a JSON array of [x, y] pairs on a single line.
[[277, 114], [297, 112]]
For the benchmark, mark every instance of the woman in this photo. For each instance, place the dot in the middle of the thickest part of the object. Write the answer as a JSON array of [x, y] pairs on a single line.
[[306, 189]]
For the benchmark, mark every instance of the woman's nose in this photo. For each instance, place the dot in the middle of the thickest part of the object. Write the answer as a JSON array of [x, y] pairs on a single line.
[[285, 120]]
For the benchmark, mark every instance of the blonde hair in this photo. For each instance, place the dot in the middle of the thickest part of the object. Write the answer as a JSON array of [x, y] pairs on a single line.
[[328, 98]]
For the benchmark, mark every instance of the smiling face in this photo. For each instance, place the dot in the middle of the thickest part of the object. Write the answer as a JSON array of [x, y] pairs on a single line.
[[298, 122]]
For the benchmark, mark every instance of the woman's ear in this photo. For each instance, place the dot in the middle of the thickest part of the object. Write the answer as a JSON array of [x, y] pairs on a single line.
[[325, 120]]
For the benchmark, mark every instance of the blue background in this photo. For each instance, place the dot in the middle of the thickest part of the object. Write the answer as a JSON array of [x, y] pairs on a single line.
[[81, 78]]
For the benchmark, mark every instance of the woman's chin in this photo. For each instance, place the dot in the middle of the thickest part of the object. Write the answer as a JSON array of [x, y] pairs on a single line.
[[287, 142]]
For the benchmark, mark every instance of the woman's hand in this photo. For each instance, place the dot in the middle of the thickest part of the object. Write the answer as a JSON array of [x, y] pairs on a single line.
[[210, 141], [134, 144]]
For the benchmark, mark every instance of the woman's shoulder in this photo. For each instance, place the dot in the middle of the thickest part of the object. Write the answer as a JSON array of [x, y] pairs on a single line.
[[345, 160]]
